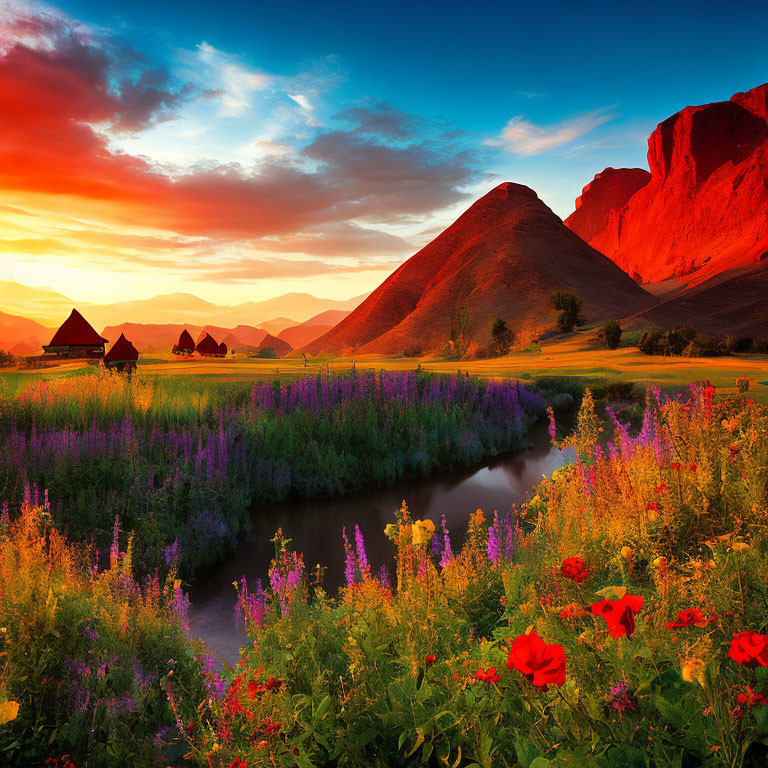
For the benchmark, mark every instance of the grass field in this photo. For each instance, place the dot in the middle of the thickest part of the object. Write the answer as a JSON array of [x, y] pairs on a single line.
[[573, 357]]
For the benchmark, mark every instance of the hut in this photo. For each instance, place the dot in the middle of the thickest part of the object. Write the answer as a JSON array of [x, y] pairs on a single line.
[[75, 338], [185, 345], [208, 346], [122, 355], [222, 349]]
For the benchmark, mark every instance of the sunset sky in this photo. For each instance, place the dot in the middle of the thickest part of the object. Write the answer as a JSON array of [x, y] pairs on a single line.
[[241, 150]]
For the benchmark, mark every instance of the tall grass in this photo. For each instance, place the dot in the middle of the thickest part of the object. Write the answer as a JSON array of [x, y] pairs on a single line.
[[177, 461]]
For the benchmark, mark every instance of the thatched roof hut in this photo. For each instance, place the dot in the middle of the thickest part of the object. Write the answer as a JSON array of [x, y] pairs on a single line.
[[75, 338]]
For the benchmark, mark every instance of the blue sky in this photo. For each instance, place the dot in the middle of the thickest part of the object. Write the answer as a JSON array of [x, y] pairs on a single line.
[[458, 96]]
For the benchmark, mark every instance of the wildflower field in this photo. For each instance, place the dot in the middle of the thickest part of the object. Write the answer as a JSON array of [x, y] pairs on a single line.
[[183, 463], [617, 618]]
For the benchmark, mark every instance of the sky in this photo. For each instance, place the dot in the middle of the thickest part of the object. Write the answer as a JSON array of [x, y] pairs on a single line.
[[243, 150]]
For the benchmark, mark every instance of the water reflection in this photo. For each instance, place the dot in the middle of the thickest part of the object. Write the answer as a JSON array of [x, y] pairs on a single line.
[[315, 527]]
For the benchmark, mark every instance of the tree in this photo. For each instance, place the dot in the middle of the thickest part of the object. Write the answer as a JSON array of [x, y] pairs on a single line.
[[459, 330], [610, 334], [569, 305], [503, 337], [268, 352]]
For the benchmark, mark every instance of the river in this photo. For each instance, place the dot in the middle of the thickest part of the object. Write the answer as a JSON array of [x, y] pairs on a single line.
[[315, 527]]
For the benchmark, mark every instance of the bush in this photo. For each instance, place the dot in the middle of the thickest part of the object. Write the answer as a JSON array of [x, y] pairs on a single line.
[[267, 352], [503, 338], [90, 658], [569, 305], [610, 334]]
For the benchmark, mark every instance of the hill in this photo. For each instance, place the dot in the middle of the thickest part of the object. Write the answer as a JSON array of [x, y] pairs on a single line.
[[19, 335], [299, 335], [732, 302], [505, 256], [704, 207]]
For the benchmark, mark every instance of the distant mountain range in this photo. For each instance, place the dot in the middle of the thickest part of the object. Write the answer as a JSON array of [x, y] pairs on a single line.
[[50, 308]]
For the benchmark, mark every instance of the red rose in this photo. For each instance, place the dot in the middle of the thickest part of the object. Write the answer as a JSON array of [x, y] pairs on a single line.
[[750, 649], [430, 659], [487, 676], [619, 615], [751, 699], [573, 568], [541, 663], [690, 617]]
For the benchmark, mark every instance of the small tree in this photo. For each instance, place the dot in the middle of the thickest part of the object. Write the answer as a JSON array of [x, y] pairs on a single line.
[[503, 337], [569, 305], [610, 334], [267, 352], [459, 330]]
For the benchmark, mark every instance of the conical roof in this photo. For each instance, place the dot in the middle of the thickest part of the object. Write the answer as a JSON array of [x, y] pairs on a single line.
[[185, 340], [121, 351], [76, 331], [208, 346]]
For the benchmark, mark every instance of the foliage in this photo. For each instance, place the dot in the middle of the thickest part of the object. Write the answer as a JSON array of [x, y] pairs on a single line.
[[641, 567], [610, 334], [267, 352], [459, 337], [503, 337], [185, 464], [569, 305], [686, 342], [89, 659]]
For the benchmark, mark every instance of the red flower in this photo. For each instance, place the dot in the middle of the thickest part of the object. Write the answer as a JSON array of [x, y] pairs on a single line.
[[619, 615], [750, 698], [573, 611], [270, 727], [693, 467], [661, 488], [489, 676], [573, 568], [238, 763], [675, 465], [750, 649], [690, 617], [540, 663], [652, 507], [430, 659]]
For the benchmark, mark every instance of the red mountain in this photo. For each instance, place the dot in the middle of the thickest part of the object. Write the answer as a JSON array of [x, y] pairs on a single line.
[[280, 346], [732, 302], [704, 208], [299, 335], [503, 257]]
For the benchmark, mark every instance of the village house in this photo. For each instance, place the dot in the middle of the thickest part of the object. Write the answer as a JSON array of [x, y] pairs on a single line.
[[122, 355], [75, 338]]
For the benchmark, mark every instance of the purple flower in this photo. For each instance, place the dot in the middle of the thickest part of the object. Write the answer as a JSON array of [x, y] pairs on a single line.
[[362, 559], [384, 579], [493, 546], [172, 553], [447, 555], [349, 568], [620, 700], [114, 551]]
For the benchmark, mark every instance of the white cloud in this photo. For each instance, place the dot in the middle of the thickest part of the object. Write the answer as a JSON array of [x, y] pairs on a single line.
[[235, 82], [522, 137]]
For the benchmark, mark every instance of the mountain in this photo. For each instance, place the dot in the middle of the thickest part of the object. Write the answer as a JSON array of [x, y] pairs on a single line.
[[20, 334], [51, 308], [505, 256], [704, 207], [280, 346], [150, 337], [732, 302], [277, 324], [299, 335], [330, 317]]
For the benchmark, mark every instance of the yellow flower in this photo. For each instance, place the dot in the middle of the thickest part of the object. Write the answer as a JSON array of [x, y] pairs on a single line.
[[8, 711], [422, 532], [391, 531], [627, 553], [693, 669], [740, 546], [477, 518], [661, 562]]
